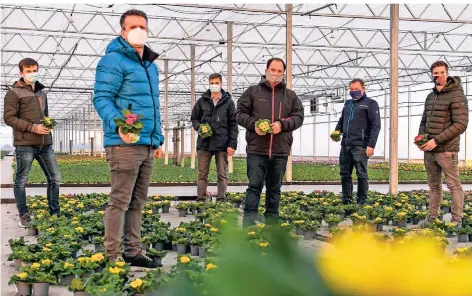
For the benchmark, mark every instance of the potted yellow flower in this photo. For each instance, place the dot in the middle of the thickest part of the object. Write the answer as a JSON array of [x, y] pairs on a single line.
[[204, 131], [22, 281], [264, 126], [336, 136]]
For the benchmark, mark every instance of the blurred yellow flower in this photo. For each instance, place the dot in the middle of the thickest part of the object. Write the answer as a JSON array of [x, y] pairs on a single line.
[[46, 262], [67, 265], [414, 267], [184, 259], [22, 275], [35, 266], [213, 229], [264, 244], [210, 266], [120, 263], [97, 257], [115, 270], [252, 233], [136, 284]]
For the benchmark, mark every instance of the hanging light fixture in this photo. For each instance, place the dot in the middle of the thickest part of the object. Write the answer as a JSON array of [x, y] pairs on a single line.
[[331, 35]]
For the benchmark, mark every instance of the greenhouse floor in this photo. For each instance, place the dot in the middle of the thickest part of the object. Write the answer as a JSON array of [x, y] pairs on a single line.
[[7, 196]]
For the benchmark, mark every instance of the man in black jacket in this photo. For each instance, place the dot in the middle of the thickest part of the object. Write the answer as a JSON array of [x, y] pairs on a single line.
[[267, 154], [360, 126], [217, 109]]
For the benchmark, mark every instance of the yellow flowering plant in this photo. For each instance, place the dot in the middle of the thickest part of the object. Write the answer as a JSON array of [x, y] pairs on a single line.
[[204, 131], [336, 136], [21, 277], [264, 126], [48, 122]]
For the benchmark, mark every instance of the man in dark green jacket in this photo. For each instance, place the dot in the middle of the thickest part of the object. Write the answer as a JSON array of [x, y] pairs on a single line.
[[215, 108], [25, 106], [445, 117], [267, 154]]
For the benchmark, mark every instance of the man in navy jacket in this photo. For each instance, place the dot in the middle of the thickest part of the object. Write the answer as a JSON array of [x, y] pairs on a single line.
[[360, 126]]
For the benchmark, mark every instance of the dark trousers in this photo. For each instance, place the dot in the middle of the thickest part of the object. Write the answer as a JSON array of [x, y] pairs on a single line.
[[204, 161], [262, 169], [47, 160], [350, 157]]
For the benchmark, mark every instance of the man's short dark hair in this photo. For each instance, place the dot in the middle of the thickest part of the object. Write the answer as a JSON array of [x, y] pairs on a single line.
[[216, 75], [439, 64], [357, 80], [132, 12], [275, 59], [28, 62]]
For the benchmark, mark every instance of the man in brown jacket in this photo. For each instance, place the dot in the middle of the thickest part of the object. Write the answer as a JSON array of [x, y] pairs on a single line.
[[445, 117], [25, 106]]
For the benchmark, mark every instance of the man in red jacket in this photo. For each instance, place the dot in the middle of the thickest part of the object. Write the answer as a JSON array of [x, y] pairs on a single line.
[[267, 154]]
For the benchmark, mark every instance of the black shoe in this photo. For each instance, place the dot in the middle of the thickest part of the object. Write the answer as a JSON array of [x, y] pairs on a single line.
[[142, 260], [24, 220]]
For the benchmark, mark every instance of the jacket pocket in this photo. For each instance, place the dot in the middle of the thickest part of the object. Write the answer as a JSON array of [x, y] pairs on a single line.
[[18, 136]]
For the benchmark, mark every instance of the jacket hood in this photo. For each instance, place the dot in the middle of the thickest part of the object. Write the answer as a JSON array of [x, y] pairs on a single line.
[[21, 83], [452, 83], [266, 83], [119, 44], [224, 95]]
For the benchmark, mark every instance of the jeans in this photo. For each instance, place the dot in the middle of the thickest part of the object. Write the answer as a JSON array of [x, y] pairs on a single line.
[[47, 160], [204, 161], [350, 157], [262, 169], [130, 169], [435, 164]]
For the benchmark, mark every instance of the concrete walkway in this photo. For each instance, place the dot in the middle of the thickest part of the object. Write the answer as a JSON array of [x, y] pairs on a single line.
[[7, 193], [6, 170]]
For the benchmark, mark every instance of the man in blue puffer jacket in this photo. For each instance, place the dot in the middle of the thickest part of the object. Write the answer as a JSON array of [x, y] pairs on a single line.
[[360, 126], [127, 78]]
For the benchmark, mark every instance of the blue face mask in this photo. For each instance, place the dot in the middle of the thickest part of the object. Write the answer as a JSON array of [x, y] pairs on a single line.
[[355, 94]]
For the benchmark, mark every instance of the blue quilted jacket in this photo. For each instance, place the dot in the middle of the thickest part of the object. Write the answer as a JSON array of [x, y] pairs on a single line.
[[124, 81]]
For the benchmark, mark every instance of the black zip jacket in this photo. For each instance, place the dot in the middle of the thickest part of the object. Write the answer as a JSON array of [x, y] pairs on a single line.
[[360, 122], [262, 101], [222, 120]]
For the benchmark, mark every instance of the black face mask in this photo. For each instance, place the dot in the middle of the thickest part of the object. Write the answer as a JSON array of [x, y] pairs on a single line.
[[435, 80]]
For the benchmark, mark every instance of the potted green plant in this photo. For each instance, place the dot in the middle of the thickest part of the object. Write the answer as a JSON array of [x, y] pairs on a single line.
[[156, 255], [77, 286], [309, 229], [399, 233], [462, 233], [298, 226], [165, 206], [23, 282], [181, 242], [17, 256], [65, 271], [333, 220], [145, 242], [183, 208], [379, 222], [446, 206], [138, 287], [41, 282], [400, 219]]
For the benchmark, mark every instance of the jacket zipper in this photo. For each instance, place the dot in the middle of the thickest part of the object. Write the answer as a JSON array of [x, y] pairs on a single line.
[[349, 120], [362, 134], [272, 135], [152, 97], [432, 111]]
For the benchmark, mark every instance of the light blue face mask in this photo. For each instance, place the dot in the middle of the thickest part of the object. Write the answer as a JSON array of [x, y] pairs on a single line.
[[355, 94], [32, 77]]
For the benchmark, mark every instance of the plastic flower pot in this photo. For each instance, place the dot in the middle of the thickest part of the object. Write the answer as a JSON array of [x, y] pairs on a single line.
[[174, 247], [450, 234], [157, 260], [145, 246], [17, 263], [202, 252], [470, 237], [298, 230], [446, 210], [401, 223], [394, 223], [181, 249], [182, 213], [213, 199], [86, 275], [308, 235], [23, 289], [415, 221], [81, 293], [155, 211], [463, 238], [66, 280], [40, 289], [32, 231], [379, 227], [159, 246], [237, 205], [194, 250], [165, 210]]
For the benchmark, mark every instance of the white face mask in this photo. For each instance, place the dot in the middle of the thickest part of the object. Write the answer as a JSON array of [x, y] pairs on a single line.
[[137, 37], [31, 77], [215, 88], [274, 78]]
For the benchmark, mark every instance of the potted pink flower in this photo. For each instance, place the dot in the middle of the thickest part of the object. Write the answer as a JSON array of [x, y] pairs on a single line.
[[130, 125]]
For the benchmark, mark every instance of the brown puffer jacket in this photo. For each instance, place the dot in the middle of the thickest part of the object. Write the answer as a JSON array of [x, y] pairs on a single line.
[[22, 109], [446, 116]]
